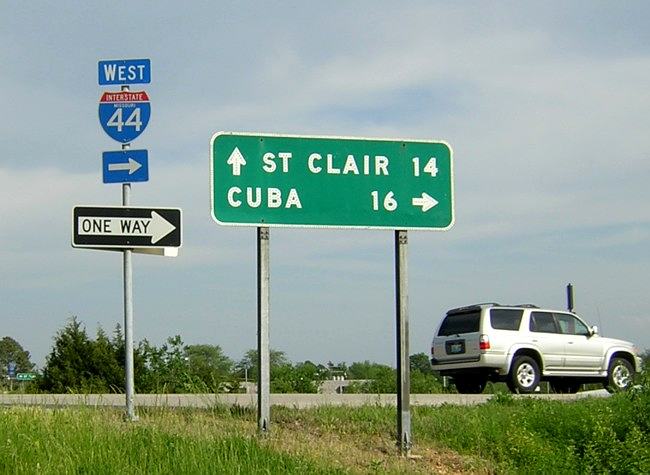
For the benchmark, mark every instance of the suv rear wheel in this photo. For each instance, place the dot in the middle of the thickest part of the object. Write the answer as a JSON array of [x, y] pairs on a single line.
[[619, 375], [470, 384], [524, 375]]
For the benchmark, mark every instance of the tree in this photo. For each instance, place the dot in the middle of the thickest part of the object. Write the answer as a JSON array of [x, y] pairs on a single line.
[[66, 367], [247, 366], [302, 378], [425, 383], [12, 351], [423, 378], [383, 381], [285, 377], [166, 368], [139, 366], [78, 363], [366, 370], [208, 365], [308, 377], [104, 365], [420, 362]]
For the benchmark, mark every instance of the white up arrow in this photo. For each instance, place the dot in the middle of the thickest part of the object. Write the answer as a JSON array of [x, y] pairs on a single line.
[[132, 166], [236, 159], [426, 202]]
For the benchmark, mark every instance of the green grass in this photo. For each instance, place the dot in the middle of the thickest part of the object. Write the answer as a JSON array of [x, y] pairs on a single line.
[[65, 441], [510, 435], [590, 436], [506, 435]]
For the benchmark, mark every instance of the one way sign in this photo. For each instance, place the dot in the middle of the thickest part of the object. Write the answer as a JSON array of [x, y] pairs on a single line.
[[125, 228]]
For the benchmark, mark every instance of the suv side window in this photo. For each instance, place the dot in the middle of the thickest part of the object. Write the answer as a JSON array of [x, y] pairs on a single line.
[[505, 318], [542, 322], [570, 325]]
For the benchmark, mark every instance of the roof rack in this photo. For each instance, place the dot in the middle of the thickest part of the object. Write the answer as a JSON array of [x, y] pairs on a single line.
[[473, 307]]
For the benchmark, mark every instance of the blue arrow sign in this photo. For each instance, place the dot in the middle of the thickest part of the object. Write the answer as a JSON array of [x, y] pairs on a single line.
[[125, 166], [124, 71], [124, 114]]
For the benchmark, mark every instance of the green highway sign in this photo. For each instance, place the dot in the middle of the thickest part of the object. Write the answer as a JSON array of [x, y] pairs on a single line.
[[342, 182], [25, 376]]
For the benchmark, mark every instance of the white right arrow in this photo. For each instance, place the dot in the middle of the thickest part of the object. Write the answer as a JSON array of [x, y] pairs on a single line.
[[132, 166], [236, 159], [427, 202], [160, 227]]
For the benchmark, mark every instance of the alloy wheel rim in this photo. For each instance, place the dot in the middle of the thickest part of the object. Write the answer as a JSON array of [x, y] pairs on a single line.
[[621, 376], [526, 375]]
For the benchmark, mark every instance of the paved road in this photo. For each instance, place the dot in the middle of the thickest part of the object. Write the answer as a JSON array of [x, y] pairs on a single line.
[[250, 400]]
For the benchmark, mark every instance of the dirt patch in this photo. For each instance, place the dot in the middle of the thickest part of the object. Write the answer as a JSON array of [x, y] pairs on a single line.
[[361, 453]]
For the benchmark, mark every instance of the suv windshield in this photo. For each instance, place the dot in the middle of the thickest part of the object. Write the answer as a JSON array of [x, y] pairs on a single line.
[[456, 323]]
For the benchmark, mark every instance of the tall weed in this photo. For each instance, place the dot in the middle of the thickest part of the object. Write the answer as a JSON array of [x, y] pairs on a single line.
[[588, 436]]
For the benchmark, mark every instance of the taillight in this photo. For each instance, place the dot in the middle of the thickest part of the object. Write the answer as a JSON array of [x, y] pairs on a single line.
[[432, 349], [484, 342]]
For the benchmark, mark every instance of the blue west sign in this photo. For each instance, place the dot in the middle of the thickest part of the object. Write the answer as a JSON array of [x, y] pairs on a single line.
[[125, 114], [125, 166], [124, 71]]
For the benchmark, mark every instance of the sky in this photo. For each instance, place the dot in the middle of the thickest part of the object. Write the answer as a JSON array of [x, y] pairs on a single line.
[[545, 105]]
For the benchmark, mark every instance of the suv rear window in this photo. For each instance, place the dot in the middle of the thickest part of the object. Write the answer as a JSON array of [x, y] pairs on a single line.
[[505, 318], [456, 323]]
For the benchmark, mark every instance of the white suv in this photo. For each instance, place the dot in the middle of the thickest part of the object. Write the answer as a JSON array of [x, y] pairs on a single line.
[[523, 344]]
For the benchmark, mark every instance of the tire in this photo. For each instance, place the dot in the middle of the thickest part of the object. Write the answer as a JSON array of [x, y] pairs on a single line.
[[565, 386], [470, 385], [620, 375], [524, 375]]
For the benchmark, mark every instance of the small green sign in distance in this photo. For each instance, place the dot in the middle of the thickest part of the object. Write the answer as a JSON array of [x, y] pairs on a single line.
[[341, 182], [25, 376]]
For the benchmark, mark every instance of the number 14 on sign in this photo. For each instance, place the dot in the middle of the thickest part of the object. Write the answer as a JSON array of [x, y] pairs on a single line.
[[429, 168]]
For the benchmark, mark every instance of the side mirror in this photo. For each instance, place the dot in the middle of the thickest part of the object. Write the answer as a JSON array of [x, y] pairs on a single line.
[[594, 330]]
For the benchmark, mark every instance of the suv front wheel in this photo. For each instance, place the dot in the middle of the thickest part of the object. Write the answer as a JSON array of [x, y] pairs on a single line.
[[524, 375], [619, 375]]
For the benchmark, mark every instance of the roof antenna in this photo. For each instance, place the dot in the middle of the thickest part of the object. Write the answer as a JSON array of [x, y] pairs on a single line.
[[569, 297]]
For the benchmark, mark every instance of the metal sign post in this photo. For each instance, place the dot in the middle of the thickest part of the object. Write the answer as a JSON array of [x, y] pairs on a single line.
[[128, 319], [124, 115], [263, 347], [403, 363], [127, 268]]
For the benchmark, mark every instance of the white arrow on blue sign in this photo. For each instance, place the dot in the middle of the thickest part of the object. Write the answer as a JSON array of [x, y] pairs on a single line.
[[124, 114], [125, 166], [124, 71]]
